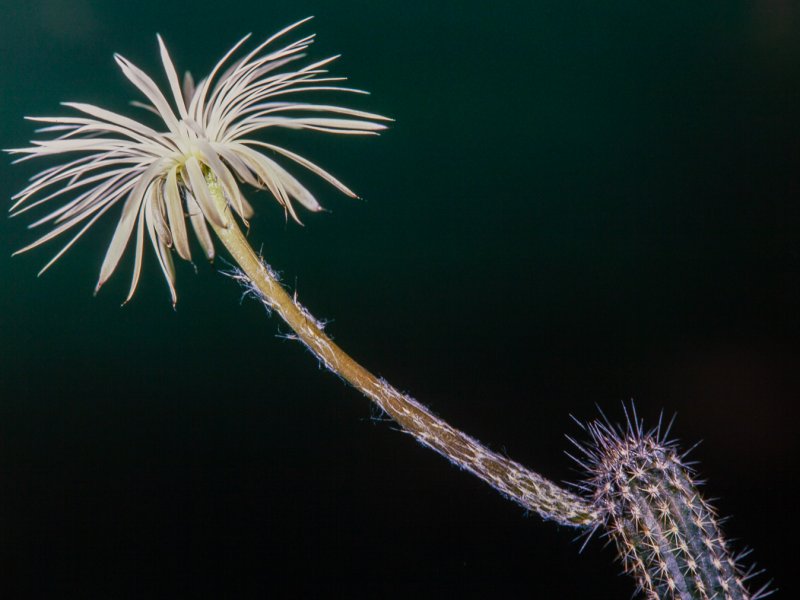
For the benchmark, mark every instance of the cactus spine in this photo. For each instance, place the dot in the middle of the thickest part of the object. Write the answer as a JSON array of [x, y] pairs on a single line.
[[666, 534]]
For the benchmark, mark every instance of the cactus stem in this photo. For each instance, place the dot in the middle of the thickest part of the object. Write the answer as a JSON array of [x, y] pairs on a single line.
[[667, 535]]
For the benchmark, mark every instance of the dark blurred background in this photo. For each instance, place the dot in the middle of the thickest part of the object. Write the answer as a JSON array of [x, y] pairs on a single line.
[[576, 206]]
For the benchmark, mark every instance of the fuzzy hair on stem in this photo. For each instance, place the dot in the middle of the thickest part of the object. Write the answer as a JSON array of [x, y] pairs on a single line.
[[514, 481]]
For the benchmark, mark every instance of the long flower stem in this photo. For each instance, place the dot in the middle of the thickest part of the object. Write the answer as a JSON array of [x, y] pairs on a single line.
[[526, 487]]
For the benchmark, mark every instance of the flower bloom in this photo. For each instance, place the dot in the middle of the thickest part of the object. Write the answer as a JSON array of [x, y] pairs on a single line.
[[163, 176]]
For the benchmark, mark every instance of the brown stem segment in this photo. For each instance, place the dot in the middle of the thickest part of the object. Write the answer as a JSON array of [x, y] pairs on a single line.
[[511, 479]]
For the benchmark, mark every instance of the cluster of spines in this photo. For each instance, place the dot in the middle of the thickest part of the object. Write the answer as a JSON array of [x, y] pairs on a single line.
[[667, 536]]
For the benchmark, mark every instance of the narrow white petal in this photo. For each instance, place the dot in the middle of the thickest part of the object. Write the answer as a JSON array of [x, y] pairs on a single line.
[[159, 212], [172, 76], [202, 194], [188, 87], [177, 222], [273, 107], [145, 106], [146, 85], [119, 241], [162, 252], [237, 164], [247, 209], [122, 234], [168, 267], [198, 222], [314, 168], [112, 117], [137, 262], [345, 124]]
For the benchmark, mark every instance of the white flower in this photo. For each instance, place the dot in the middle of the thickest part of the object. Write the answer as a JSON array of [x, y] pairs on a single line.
[[163, 176]]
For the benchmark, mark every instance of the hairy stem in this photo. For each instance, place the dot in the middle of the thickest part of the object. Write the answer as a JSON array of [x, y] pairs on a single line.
[[526, 487]]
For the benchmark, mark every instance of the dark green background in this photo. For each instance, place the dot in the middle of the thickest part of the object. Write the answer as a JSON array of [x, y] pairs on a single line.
[[579, 203]]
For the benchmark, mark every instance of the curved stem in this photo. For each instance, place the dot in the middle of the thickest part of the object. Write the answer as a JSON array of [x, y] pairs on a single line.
[[511, 479]]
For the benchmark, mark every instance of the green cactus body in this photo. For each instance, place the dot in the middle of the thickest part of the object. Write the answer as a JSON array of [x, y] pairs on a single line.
[[667, 536]]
